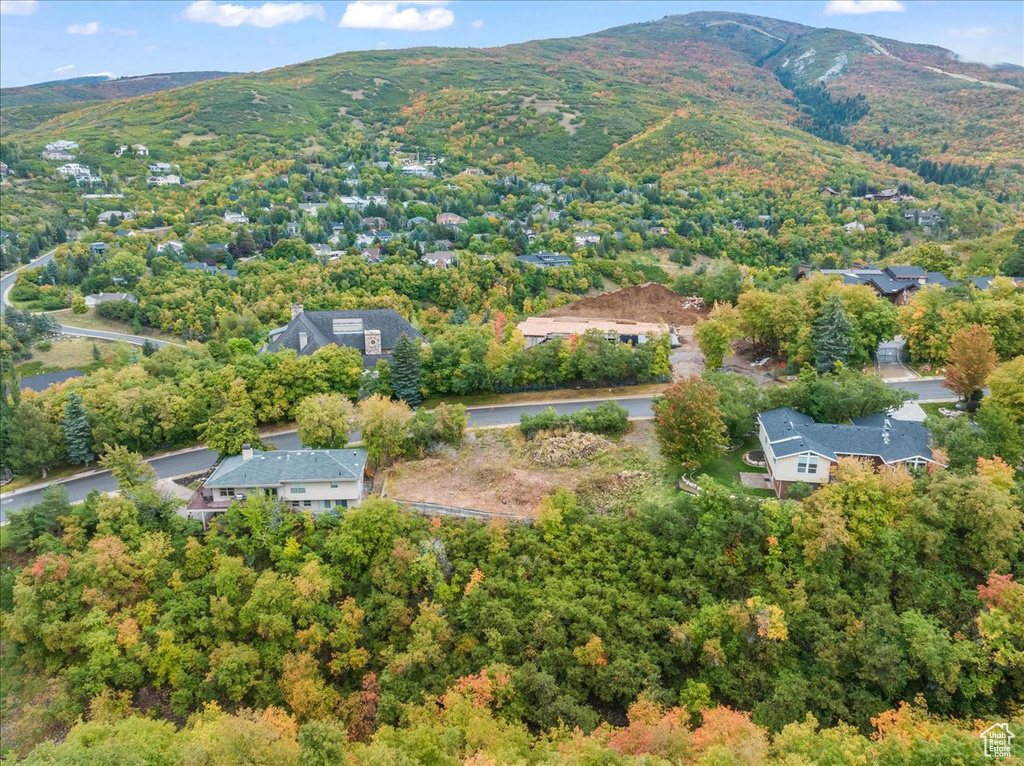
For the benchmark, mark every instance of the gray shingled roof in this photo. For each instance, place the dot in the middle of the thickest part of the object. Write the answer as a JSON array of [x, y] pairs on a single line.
[[319, 329], [271, 469], [791, 433], [907, 272]]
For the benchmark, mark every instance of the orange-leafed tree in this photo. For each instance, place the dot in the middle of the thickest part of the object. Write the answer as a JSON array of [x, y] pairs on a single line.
[[971, 359]]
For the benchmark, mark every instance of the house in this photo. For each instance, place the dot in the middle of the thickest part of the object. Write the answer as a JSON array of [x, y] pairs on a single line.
[[450, 219], [828, 191], [141, 150], [546, 260], [59, 156], [169, 180], [120, 150], [374, 223], [440, 259], [171, 246], [472, 172], [319, 480], [586, 238], [372, 332], [853, 226], [929, 218], [419, 220], [444, 244], [231, 217], [96, 299], [61, 146], [986, 283], [894, 283], [158, 168], [417, 171], [371, 255], [797, 449], [74, 170], [661, 231], [737, 223], [540, 328], [209, 268], [123, 215], [42, 382], [3, 169], [98, 248]]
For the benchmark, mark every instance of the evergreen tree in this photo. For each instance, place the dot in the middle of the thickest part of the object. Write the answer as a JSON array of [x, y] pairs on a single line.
[[77, 434], [407, 371], [832, 337]]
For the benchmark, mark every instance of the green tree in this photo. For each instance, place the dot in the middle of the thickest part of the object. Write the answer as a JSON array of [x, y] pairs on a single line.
[[36, 443], [407, 371], [931, 256], [1006, 383], [324, 420], [234, 424], [714, 338], [687, 422], [129, 468], [78, 304], [832, 335], [385, 428], [77, 434]]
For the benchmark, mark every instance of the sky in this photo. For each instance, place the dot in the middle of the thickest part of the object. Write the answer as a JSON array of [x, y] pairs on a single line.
[[42, 40]]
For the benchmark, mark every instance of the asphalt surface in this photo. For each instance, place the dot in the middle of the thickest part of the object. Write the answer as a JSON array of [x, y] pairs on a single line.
[[8, 280], [199, 459]]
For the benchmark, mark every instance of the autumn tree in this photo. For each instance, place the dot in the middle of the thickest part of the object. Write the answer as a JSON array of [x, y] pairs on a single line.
[[384, 424], [687, 422], [832, 338], [235, 423], [1006, 384], [324, 420], [971, 359]]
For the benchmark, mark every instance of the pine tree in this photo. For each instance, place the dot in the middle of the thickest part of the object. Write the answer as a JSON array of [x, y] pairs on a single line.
[[833, 336], [77, 433], [407, 371]]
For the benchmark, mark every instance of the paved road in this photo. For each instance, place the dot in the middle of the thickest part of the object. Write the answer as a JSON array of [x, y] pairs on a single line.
[[199, 459], [8, 280]]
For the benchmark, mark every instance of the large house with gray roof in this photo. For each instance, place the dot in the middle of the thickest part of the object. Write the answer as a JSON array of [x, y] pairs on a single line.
[[374, 333], [796, 448], [317, 480]]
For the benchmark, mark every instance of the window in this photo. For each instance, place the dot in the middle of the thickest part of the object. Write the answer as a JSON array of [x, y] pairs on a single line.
[[807, 464], [307, 503], [298, 489], [326, 504], [334, 485], [227, 492]]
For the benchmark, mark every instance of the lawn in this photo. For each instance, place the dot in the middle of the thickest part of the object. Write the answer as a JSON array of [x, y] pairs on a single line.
[[726, 470], [65, 354]]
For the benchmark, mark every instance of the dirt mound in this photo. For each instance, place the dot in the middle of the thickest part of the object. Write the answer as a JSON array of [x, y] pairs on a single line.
[[573, 448], [644, 303]]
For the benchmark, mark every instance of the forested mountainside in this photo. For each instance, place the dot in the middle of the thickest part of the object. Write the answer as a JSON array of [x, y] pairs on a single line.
[[578, 102]]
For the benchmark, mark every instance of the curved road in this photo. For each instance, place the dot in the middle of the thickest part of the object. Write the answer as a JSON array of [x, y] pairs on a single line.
[[8, 280], [199, 459]]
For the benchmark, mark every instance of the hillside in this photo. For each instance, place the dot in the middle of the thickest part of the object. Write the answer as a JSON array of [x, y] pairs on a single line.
[[26, 106], [691, 93]]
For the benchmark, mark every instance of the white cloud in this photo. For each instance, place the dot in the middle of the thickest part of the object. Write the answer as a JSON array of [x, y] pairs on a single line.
[[858, 7], [365, 14], [972, 32], [123, 32], [18, 7], [478, 24], [63, 69], [150, 48], [84, 29], [264, 16]]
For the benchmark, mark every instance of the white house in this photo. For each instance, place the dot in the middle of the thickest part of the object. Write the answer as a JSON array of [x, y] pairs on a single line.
[[586, 238], [141, 150], [73, 170], [232, 218], [171, 180], [160, 167], [797, 449], [171, 246], [61, 146], [318, 480]]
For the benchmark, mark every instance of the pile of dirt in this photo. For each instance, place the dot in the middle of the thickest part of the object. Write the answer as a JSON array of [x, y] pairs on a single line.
[[644, 303], [573, 448]]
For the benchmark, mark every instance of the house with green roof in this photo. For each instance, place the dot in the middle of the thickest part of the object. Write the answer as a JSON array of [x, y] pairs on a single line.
[[317, 480]]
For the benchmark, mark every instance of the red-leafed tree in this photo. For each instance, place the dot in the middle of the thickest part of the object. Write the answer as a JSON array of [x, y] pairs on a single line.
[[688, 423]]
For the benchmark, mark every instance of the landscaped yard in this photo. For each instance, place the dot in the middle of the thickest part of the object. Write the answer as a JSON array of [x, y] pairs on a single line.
[[726, 470], [64, 354]]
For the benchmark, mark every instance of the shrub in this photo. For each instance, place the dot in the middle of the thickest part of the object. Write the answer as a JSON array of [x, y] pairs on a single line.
[[607, 418], [123, 311]]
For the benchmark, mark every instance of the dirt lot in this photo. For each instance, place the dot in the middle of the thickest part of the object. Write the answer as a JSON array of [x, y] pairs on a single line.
[[644, 303], [493, 472]]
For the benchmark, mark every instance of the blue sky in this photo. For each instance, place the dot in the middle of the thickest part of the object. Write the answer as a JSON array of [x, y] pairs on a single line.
[[50, 40]]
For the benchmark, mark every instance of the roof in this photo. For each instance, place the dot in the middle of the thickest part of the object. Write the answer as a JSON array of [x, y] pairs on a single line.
[[271, 469], [319, 329], [907, 272], [103, 297], [544, 258], [43, 382], [792, 433]]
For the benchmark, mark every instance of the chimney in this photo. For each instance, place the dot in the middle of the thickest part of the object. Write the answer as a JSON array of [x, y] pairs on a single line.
[[303, 340], [371, 342], [296, 309], [246, 452]]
